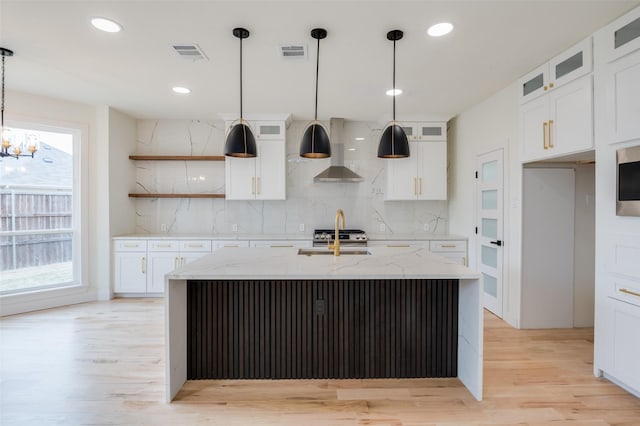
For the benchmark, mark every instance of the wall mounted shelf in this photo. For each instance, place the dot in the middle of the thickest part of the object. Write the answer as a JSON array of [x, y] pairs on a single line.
[[177, 157], [145, 195]]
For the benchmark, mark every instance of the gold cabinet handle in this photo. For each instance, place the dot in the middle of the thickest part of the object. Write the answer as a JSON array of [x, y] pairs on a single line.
[[195, 245], [415, 186], [398, 245], [550, 85], [545, 88], [182, 262], [130, 245], [253, 185], [175, 262], [420, 186], [550, 140], [631, 292], [259, 185], [280, 245], [448, 245], [544, 135], [162, 245], [143, 265]]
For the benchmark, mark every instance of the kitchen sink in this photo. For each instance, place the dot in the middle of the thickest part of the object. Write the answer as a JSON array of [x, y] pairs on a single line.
[[345, 252]]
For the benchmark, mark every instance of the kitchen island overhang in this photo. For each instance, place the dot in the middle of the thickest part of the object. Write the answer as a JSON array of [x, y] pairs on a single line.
[[415, 273]]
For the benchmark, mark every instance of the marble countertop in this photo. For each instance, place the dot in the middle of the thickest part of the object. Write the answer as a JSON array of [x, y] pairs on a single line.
[[285, 263], [290, 237]]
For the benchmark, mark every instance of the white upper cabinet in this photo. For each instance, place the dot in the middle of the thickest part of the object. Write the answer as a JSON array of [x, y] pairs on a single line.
[[559, 123], [262, 177], [425, 131], [421, 176], [564, 68], [620, 42], [623, 36]]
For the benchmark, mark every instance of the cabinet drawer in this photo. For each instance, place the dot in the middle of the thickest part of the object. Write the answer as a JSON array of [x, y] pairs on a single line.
[[195, 246], [130, 245], [446, 246], [625, 290], [164, 245], [230, 244], [398, 244]]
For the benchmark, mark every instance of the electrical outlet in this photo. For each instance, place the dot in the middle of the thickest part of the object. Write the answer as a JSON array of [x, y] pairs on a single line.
[[425, 227], [234, 227], [383, 227], [301, 227], [163, 227]]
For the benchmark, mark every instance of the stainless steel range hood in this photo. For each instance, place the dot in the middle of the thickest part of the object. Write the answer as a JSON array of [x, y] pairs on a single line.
[[337, 172]]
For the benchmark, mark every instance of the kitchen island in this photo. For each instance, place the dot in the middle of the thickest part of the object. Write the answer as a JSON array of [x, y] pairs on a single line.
[[251, 313]]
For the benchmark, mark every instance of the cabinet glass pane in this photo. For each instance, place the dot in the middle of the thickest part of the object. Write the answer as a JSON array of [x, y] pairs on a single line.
[[432, 131], [408, 131], [532, 85], [490, 171], [490, 228], [490, 200], [628, 33], [490, 256], [568, 65], [269, 130], [490, 285]]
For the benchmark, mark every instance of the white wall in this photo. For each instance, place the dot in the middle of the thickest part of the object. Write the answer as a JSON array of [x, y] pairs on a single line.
[[490, 125], [28, 107], [308, 203]]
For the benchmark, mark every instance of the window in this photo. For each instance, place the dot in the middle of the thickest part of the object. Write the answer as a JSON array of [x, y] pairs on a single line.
[[40, 212]]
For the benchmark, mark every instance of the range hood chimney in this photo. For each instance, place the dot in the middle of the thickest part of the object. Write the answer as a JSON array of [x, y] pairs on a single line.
[[337, 172]]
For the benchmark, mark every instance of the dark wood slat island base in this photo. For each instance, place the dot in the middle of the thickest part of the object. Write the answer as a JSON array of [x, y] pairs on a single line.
[[322, 329]]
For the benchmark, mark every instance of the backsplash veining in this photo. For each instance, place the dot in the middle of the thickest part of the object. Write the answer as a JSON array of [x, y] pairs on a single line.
[[308, 203]]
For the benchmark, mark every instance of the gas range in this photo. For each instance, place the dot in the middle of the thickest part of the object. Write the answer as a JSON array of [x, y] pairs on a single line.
[[348, 237]]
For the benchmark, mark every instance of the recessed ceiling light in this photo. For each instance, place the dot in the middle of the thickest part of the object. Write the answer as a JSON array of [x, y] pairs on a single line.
[[181, 90], [440, 29], [393, 92], [107, 25], [359, 139]]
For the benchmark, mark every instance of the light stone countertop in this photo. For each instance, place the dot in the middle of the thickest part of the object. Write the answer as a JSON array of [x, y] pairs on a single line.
[[285, 263], [289, 237]]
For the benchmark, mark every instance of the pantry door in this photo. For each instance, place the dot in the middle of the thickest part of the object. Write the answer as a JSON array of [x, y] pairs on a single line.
[[490, 227]]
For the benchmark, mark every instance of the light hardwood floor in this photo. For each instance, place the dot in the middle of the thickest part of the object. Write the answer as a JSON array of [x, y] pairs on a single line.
[[103, 364]]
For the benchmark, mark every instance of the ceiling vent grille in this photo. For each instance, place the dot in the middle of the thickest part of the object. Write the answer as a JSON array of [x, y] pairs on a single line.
[[189, 51], [293, 51]]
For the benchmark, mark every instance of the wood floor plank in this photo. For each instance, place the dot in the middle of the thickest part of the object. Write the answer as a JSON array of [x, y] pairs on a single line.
[[103, 364]]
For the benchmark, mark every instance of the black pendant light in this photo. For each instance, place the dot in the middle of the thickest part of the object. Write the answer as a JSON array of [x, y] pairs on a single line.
[[240, 140], [315, 141], [394, 143]]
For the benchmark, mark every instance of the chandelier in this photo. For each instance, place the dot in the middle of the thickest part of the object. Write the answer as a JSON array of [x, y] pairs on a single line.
[[11, 147]]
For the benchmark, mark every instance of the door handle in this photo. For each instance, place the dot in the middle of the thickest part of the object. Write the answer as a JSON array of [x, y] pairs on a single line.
[[497, 243]]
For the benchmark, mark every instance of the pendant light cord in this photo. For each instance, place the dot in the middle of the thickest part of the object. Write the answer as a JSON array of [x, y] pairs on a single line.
[[240, 79], [394, 81], [2, 106], [317, 71]]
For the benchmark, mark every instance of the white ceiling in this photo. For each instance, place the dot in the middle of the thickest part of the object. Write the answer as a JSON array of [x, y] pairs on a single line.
[[58, 53]]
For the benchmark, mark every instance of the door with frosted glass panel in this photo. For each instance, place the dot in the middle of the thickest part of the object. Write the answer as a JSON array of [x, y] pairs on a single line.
[[490, 232]]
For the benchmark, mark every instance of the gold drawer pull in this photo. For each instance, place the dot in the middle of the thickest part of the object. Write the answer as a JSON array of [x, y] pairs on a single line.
[[448, 246], [195, 245], [280, 245], [631, 292], [131, 245], [398, 245], [162, 245]]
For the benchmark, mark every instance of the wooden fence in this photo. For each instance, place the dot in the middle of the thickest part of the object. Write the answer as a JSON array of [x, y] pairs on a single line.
[[35, 226]]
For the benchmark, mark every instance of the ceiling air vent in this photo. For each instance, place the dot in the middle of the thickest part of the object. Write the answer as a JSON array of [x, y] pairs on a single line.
[[189, 51], [293, 51]]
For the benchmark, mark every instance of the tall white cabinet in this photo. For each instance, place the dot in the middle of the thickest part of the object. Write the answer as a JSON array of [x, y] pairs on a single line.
[[556, 115], [422, 175], [264, 176], [617, 89]]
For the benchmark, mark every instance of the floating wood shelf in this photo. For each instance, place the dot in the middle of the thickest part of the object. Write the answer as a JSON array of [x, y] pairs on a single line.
[[134, 195], [177, 157]]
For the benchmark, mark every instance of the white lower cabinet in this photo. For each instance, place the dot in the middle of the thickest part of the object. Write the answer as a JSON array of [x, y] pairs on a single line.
[[281, 243], [452, 249], [130, 266], [140, 265], [623, 342]]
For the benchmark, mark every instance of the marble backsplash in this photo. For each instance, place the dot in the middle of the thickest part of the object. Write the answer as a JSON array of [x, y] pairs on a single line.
[[308, 203]]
